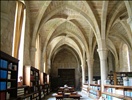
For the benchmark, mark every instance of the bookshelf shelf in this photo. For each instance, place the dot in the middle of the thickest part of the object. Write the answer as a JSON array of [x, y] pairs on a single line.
[[85, 88], [117, 91], [116, 78], [117, 95], [94, 91], [8, 76], [118, 86]]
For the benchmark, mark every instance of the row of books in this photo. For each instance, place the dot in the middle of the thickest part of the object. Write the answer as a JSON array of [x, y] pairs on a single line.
[[93, 92], [93, 95], [95, 87], [127, 81], [108, 97], [34, 83], [3, 74], [42, 94], [2, 86], [20, 91], [4, 95], [128, 93], [36, 96], [28, 98], [35, 88], [11, 66], [3, 63], [34, 73], [119, 91]]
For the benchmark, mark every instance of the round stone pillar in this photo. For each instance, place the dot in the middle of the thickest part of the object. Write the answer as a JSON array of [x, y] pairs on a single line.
[[90, 70], [103, 65], [83, 68]]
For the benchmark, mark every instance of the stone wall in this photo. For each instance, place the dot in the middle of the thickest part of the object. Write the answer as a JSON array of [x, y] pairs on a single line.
[[66, 60], [27, 38], [96, 64], [7, 25]]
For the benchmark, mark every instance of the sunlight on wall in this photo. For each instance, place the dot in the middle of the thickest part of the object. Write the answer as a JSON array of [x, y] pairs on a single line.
[[37, 54], [44, 67], [21, 48], [125, 67], [14, 30]]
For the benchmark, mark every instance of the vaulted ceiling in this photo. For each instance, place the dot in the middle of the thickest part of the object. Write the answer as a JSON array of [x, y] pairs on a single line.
[[79, 25]]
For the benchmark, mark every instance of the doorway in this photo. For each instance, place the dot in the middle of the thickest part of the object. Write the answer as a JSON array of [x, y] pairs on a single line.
[[66, 76]]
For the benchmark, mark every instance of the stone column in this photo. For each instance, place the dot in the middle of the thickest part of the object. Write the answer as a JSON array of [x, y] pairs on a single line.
[[83, 74], [103, 65], [129, 21], [33, 50], [45, 61], [83, 68], [90, 70]]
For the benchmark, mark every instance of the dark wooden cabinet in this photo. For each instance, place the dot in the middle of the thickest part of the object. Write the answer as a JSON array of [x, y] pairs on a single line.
[[32, 79], [8, 76], [44, 81]]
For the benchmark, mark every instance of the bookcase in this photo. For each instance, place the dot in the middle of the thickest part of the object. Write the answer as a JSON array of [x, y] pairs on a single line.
[[117, 92], [8, 76], [94, 91], [23, 93], [85, 88], [117, 78], [44, 84], [43, 78], [32, 79]]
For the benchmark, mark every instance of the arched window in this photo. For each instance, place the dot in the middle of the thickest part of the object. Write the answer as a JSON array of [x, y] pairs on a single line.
[[18, 37]]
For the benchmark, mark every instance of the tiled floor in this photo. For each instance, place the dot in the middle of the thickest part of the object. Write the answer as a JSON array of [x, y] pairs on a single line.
[[51, 97]]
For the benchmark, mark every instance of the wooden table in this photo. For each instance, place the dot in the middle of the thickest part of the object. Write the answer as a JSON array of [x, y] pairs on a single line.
[[75, 96], [59, 97]]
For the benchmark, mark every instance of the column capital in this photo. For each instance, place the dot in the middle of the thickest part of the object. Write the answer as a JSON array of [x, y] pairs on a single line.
[[90, 59], [90, 62], [103, 52]]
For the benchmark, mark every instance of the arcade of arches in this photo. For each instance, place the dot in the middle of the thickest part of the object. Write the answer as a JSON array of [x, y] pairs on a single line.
[[91, 37]]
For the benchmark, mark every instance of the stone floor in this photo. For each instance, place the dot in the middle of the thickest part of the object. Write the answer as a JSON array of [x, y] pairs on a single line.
[[51, 97]]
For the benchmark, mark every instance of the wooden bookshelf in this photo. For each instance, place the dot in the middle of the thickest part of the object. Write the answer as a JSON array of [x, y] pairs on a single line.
[[23, 93], [118, 91], [85, 88], [8, 76], [94, 91], [116, 78], [45, 83], [32, 79], [117, 96]]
